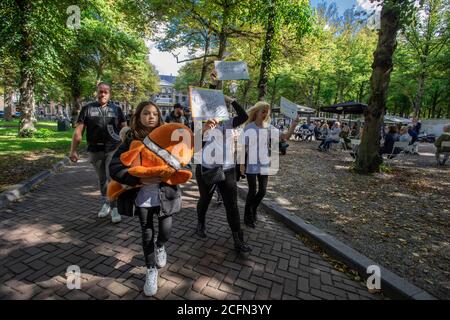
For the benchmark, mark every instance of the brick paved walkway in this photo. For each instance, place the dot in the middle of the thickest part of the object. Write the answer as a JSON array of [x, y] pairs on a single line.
[[56, 226]]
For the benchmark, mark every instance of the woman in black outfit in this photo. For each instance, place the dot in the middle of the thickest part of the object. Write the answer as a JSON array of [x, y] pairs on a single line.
[[228, 187]]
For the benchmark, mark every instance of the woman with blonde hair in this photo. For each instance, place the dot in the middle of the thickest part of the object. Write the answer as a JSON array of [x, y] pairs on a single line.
[[258, 126]]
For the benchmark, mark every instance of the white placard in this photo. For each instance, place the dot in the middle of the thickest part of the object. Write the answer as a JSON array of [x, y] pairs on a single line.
[[233, 70], [288, 108], [207, 104]]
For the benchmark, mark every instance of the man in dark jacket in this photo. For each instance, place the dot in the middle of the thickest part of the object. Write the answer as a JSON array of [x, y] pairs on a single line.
[[102, 120], [177, 115]]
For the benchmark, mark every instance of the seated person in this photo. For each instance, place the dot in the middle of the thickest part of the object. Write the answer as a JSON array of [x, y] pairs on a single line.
[[356, 147], [354, 133], [345, 135], [389, 140], [317, 130], [324, 131], [445, 136], [311, 128], [404, 135], [333, 137], [304, 126]]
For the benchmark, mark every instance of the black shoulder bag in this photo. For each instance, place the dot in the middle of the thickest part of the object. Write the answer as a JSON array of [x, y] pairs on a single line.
[[212, 176]]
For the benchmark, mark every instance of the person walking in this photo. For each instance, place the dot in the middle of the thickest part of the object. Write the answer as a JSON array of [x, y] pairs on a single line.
[[102, 121], [148, 197], [221, 174], [257, 164]]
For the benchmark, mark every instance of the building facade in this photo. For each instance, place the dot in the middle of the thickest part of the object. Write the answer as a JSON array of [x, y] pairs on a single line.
[[168, 96]]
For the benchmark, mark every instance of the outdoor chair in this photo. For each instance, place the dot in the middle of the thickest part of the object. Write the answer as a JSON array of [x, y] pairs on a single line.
[[398, 146], [344, 145]]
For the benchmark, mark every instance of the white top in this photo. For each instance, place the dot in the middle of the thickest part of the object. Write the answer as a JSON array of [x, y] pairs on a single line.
[[148, 196], [213, 148], [257, 146]]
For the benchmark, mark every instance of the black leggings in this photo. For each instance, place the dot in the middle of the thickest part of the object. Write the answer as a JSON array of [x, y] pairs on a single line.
[[227, 189], [148, 232], [254, 198]]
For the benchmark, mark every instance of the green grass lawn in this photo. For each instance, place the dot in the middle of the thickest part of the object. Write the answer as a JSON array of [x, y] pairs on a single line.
[[58, 141], [21, 158]]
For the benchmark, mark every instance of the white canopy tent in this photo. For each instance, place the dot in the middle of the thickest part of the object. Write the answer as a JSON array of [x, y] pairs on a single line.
[[396, 119]]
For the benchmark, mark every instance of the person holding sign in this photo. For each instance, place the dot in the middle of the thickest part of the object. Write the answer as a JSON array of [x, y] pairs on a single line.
[[221, 172], [257, 153]]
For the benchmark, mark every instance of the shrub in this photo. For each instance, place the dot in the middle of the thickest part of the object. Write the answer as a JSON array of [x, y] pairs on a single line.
[[43, 133]]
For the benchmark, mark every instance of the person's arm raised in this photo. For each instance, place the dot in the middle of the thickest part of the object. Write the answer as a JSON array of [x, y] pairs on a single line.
[[241, 114], [287, 135]]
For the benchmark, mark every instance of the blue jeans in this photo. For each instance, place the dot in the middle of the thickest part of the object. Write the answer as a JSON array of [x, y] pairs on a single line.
[[327, 142]]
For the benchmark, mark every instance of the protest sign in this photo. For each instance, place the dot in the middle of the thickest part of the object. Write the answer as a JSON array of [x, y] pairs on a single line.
[[235, 70], [288, 108], [207, 104]]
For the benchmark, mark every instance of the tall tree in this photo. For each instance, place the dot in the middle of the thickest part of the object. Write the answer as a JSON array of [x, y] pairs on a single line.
[[34, 32], [393, 13], [427, 35], [277, 16], [204, 27]]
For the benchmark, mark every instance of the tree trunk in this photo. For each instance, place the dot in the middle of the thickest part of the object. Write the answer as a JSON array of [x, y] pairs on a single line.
[[316, 102], [204, 64], [336, 95], [311, 95], [247, 87], [26, 104], [223, 38], [274, 92], [267, 56], [26, 87], [368, 159], [75, 87], [361, 92], [434, 103], [448, 110], [420, 91], [439, 112], [9, 93]]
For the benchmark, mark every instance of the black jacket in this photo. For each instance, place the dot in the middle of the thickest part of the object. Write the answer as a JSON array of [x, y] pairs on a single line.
[[102, 125], [170, 118], [170, 196]]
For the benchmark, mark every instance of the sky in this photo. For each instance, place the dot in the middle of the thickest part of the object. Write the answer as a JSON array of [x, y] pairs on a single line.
[[166, 64]]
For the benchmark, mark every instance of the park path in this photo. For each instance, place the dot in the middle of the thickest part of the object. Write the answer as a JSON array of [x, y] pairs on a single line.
[[56, 226]]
